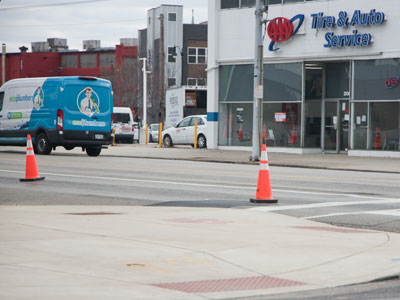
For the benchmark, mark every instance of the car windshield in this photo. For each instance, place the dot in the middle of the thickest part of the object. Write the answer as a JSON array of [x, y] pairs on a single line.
[[121, 118]]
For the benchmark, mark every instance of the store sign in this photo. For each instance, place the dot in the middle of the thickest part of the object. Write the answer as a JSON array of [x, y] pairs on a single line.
[[280, 117], [393, 82], [357, 19], [282, 29], [190, 99]]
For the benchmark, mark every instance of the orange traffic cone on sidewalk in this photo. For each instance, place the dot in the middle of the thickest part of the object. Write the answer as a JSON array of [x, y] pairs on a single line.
[[264, 193], [31, 172]]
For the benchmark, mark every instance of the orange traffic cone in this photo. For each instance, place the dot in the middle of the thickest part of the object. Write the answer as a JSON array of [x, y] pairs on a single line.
[[31, 172], [264, 193], [293, 136], [377, 138]]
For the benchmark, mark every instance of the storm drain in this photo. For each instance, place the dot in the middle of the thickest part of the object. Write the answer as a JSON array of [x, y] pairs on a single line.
[[93, 214], [226, 285], [342, 230]]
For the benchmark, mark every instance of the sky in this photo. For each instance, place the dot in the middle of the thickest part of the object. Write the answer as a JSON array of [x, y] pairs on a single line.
[[26, 21]]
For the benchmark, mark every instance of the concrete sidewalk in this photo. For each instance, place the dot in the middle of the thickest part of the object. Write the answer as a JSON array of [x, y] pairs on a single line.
[[86, 252]]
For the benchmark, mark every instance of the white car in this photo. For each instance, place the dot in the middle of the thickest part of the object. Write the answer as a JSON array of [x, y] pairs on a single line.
[[183, 132], [123, 124], [153, 132]]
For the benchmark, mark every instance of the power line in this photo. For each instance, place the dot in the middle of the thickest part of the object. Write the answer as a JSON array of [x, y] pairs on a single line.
[[49, 5]]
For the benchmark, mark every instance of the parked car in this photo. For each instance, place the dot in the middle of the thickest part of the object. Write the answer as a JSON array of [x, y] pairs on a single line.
[[123, 124], [153, 133], [183, 132]]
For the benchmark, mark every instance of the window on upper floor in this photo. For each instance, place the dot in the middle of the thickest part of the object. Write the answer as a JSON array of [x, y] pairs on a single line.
[[237, 3], [196, 81], [171, 54], [69, 61], [197, 55], [291, 1], [171, 82], [172, 17], [287, 1]]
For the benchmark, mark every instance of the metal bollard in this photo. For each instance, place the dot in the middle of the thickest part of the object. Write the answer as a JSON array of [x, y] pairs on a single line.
[[195, 134], [160, 136]]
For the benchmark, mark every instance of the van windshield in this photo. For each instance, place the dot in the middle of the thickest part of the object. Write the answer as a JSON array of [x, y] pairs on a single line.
[[121, 118]]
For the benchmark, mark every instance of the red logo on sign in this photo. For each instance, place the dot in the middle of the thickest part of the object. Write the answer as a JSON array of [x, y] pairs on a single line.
[[392, 82], [280, 29]]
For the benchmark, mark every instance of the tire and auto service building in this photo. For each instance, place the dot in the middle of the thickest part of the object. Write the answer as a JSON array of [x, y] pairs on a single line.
[[330, 82]]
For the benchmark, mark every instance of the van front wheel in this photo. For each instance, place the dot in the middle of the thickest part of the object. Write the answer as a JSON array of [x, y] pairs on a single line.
[[42, 144], [93, 151]]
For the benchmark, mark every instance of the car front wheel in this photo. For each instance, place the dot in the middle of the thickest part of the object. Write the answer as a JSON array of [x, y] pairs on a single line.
[[167, 141]]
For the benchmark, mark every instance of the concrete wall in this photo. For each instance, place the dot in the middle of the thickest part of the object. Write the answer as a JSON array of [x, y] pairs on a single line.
[[236, 31]]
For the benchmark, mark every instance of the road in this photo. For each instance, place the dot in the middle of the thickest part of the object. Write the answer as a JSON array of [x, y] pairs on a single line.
[[352, 199]]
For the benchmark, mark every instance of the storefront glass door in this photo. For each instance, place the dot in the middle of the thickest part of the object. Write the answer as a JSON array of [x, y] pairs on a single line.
[[336, 126]]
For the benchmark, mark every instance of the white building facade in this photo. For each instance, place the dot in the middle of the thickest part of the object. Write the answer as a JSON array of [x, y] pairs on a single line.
[[331, 76]]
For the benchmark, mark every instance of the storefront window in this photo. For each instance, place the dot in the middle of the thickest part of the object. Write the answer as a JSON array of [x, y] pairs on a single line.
[[337, 80], [312, 134], [281, 124], [236, 83], [360, 125], [314, 81], [373, 79], [385, 124], [236, 124], [282, 82]]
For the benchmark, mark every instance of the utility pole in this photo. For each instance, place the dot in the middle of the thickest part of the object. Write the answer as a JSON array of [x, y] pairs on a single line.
[[144, 92], [162, 100], [258, 82]]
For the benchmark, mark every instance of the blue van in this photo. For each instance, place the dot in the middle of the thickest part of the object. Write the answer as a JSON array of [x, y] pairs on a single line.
[[57, 111]]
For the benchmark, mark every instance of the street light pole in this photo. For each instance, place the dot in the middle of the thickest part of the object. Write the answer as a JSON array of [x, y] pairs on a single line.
[[144, 92], [162, 104], [258, 82]]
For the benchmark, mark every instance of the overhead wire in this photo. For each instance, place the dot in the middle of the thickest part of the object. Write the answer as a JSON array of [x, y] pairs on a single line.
[[72, 24], [50, 5]]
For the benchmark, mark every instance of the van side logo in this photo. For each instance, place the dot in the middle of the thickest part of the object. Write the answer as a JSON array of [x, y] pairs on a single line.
[[88, 102], [38, 98]]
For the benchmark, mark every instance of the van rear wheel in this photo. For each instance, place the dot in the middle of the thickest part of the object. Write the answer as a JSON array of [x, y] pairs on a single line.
[[93, 151], [42, 144]]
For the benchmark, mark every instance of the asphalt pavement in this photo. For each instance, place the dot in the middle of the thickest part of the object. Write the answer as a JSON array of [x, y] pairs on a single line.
[[320, 161], [108, 252]]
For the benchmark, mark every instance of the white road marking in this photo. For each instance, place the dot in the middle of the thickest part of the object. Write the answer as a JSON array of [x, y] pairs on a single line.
[[392, 212], [325, 204], [142, 180]]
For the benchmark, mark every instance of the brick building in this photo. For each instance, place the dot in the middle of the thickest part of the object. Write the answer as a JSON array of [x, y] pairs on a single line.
[[119, 65]]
